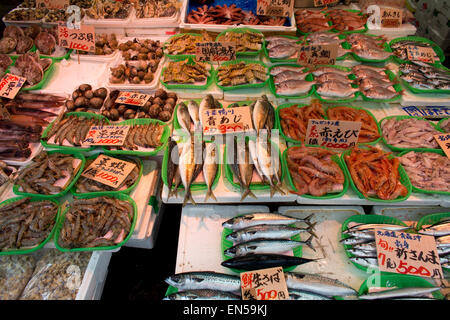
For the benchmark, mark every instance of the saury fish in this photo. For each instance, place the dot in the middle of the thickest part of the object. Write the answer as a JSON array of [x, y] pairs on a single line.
[[304, 295], [204, 280], [263, 261], [317, 284]]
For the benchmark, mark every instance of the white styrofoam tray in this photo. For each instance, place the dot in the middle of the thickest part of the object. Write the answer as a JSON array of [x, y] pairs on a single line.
[[109, 23], [410, 215]]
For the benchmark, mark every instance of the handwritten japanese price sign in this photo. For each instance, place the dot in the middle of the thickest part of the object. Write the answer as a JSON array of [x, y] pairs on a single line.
[[424, 54], [79, 39], [52, 4], [437, 112], [226, 120], [10, 85], [132, 98], [407, 253], [333, 134], [264, 284], [322, 3], [391, 17], [111, 135], [276, 8], [215, 51], [311, 55], [109, 171], [444, 142]]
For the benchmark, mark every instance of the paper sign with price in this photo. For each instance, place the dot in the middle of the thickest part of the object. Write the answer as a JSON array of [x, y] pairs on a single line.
[[312, 55], [264, 284], [52, 4], [322, 3], [132, 98], [333, 134], [444, 142], [82, 39], [424, 54], [108, 170], [407, 253], [215, 51], [10, 85], [111, 135], [391, 17], [276, 8], [226, 120]]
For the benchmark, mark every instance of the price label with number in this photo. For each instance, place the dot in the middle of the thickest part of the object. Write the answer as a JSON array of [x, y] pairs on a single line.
[[443, 140], [407, 253], [226, 120], [277, 8], [10, 85], [264, 284], [110, 135], [333, 134], [52, 4], [424, 54], [215, 51], [132, 98], [312, 55], [82, 39]]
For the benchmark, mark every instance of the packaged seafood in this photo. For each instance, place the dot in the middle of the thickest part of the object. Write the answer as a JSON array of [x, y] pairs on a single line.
[[428, 171], [376, 175], [241, 74], [26, 224], [187, 74], [315, 171], [15, 272], [248, 41], [96, 223]]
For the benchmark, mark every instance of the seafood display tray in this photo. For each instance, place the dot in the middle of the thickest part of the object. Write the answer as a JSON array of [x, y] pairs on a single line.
[[173, 21]]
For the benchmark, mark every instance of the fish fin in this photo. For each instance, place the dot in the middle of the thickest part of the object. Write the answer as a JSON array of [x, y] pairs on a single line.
[[309, 243]]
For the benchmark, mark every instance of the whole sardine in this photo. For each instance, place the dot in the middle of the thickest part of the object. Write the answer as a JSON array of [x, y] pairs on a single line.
[[294, 87], [399, 293], [263, 261], [202, 294], [267, 232], [204, 280], [254, 219], [210, 168], [317, 284], [272, 246], [183, 117]]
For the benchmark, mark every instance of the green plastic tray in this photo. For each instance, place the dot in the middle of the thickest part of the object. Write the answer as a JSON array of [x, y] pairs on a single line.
[[396, 149], [58, 59], [440, 124], [424, 91], [180, 56], [47, 76], [276, 60], [418, 190], [164, 138], [272, 87], [338, 100], [404, 180], [205, 86], [76, 155], [439, 52], [194, 186], [336, 159], [75, 149], [243, 30], [42, 244], [123, 197], [400, 281], [396, 86], [241, 86], [128, 190], [371, 115], [377, 219]]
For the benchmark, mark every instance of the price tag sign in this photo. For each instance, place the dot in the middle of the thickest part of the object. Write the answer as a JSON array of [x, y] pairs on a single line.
[[132, 98], [82, 39], [52, 4], [437, 112], [264, 284], [215, 51], [108, 170], [110, 135], [424, 54], [226, 120], [276, 8], [407, 253], [312, 55], [391, 17], [10, 85], [444, 142], [333, 134], [322, 3]]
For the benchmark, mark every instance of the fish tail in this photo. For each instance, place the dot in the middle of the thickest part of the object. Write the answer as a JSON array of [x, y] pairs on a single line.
[[309, 243], [188, 197], [308, 219], [247, 192], [210, 194]]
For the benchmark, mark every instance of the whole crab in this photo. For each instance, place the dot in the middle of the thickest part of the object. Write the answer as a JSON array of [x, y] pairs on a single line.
[[200, 15], [250, 18], [229, 14]]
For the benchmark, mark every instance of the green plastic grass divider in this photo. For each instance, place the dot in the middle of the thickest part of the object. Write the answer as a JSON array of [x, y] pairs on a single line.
[[241, 86]]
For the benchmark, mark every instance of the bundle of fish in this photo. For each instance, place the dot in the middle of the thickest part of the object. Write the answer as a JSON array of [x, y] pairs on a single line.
[[290, 81], [185, 43], [400, 48], [185, 163], [368, 47], [31, 67], [71, 130], [445, 125], [282, 47], [423, 76], [241, 73], [143, 136], [333, 83], [311, 21], [374, 83], [263, 240], [190, 116], [409, 133], [258, 155], [314, 172], [183, 72], [344, 20], [47, 174], [26, 224], [375, 174], [96, 222], [294, 120], [369, 127], [85, 185], [427, 170], [247, 41]]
